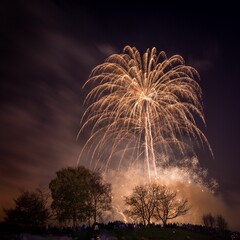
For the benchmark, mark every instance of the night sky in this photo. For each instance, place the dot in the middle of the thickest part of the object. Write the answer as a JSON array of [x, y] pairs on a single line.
[[47, 51]]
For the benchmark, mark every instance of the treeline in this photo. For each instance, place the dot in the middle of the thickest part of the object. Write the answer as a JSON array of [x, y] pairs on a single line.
[[78, 195]]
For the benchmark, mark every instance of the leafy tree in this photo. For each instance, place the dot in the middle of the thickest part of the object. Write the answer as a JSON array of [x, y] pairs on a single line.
[[169, 205], [30, 208], [100, 196], [70, 194], [208, 220], [142, 203], [79, 194]]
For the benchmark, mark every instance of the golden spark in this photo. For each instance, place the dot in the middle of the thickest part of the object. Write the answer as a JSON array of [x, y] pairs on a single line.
[[146, 107]]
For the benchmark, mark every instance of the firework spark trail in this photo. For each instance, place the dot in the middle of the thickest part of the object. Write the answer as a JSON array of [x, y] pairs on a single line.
[[187, 177], [147, 104]]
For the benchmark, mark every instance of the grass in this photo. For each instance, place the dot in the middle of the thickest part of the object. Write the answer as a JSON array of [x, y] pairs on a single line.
[[127, 233], [151, 234]]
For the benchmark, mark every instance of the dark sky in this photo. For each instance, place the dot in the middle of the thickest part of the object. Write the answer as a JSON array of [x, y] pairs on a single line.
[[48, 50]]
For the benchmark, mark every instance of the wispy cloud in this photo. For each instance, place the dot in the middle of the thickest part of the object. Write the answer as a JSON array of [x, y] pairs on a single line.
[[41, 97]]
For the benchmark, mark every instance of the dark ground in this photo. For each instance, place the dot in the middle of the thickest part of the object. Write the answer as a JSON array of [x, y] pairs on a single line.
[[116, 231]]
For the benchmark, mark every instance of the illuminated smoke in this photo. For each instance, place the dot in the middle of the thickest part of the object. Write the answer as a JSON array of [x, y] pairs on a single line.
[[188, 179]]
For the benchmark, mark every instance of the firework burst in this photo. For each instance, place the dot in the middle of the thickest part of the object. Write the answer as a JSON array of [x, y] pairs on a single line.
[[142, 108]]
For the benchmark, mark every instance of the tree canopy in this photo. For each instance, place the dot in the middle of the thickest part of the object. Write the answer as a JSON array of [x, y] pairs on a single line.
[[100, 196], [79, 194], [30, 208]]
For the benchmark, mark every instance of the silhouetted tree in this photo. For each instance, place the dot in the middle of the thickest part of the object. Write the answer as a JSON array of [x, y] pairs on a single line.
[[142, 203], [79, 194], [221, 223], [30, 208], [169, 205], [154, 201], [100, 196], [208, 220], [70, 194]]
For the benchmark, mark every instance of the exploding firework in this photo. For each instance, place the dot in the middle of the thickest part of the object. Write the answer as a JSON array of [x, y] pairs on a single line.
[[142, 108]]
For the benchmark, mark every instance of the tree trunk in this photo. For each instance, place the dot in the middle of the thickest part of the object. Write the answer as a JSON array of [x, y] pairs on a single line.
[[95, 211]]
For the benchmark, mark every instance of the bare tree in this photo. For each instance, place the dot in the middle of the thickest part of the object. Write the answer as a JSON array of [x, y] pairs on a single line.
[[208, 220], [169, 205], [142, 203], [221, 223], [153, 201]]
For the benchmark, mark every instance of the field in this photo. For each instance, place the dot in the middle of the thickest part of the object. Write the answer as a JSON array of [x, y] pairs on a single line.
[[152, 234], [106, 232]]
